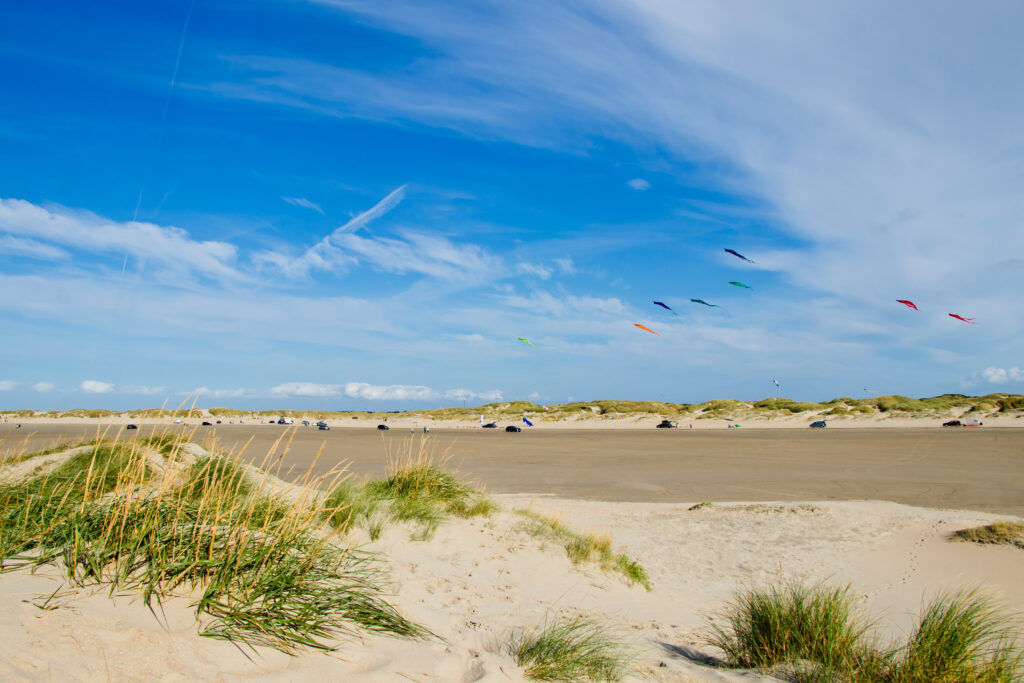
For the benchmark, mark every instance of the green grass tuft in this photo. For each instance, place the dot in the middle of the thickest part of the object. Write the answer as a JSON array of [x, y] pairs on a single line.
[[791, 624], [576, 650], [816, 634], [586, 547], [961, 637]]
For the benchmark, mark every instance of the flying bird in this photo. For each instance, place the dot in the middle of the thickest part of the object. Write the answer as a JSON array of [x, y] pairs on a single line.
[[969, 321], [645, 328], [738, 255], [739, 284], [908, 304], [527, 422], [525, 341], [701, 301], [665, 306]]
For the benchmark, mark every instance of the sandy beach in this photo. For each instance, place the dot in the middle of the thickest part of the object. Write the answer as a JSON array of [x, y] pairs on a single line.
[[871, 508], [975, 469]]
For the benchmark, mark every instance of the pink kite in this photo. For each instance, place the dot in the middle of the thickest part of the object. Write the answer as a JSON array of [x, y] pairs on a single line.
[[908, 304], [645, 328], [969, 321]]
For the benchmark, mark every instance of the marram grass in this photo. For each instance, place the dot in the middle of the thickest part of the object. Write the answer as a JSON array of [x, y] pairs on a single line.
[[260, 567], [417, 488], [589, 547], [570, 650], [816, 633], [997, 533]]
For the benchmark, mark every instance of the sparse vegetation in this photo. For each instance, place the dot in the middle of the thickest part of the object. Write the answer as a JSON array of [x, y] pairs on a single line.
[[586, 547], [570, 650], [997, 533], [417, 489], [815, 633]]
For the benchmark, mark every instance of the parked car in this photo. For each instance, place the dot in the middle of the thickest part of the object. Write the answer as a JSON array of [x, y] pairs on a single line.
[[177, 420], [323, 426], [820, 424], [667, 424], [490, 425], [513, 428], [383, 427], [206, 423], [305, 423], [131, 426], [952, 423], [973, 422]]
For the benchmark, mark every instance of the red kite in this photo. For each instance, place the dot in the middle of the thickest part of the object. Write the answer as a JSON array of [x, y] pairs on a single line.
[[908, 304], [969, 321], [645, 328]]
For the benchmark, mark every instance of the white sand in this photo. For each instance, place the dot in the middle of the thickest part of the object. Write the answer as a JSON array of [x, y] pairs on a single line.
[[476, 580]]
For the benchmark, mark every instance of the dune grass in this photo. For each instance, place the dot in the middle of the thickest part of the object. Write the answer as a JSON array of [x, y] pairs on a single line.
[[260, 568], [570, 650], [816, 633], [792, 624], [586, 547], [417, 488], [997, 533]]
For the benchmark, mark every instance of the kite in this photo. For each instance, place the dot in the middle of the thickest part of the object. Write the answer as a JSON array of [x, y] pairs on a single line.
[[969, 321], [738, 255], [701, 301], [527, 422], [776, 383], [908, 304], [645, 328], [665, 306], [525, 341], [739, 284]]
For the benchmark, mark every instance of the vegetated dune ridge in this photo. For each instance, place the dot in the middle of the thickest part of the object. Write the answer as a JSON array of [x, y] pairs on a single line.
[[473, 580], [876, 411]]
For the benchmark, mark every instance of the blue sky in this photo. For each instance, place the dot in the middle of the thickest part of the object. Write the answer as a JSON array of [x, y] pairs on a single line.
[[341, 204]]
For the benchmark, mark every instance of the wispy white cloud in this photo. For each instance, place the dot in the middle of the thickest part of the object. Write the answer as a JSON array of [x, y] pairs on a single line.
[[388, 393], [326, 255], [997, 375], [535, 269], [304, 203], [468, 395], [8, 385], [639, 184], [18, 246], [219, 393], [430, 255], [169, 247], [306, 389], [42, 387], [566, 265], [92, 386]]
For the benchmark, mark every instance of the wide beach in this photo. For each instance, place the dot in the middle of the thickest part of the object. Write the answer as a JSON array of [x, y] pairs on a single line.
[[968, 469]]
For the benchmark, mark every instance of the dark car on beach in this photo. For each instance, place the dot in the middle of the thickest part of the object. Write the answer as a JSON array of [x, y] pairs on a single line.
[[820, 424], [490, 425], [667, 424], [513, 428], [383, 427], [207, 424], [953, 423], [131, 427]]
